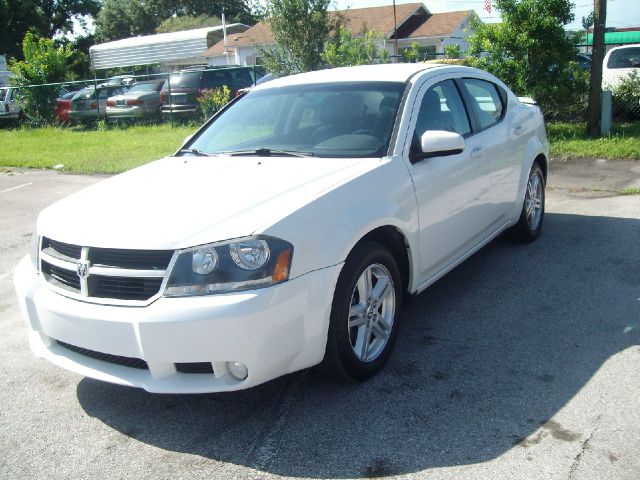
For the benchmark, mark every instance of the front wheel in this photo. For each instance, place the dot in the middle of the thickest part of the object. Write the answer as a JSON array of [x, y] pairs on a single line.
[[364, 314], [529, 225]]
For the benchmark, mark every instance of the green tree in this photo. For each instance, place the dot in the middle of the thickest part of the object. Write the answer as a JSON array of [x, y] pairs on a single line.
[[125, 18], [346, 49], [300, 29], [531, 53], [44, 63], [43, 18], [187, 22]]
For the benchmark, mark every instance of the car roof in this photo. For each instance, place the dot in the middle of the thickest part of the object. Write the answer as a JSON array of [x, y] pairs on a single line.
[[622, 47], [393, 72]]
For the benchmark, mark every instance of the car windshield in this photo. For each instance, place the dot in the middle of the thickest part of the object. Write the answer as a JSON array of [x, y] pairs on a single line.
[[144, 87], [625, 58], [324, 120], [3, 94], [185, 80], [85, 93]]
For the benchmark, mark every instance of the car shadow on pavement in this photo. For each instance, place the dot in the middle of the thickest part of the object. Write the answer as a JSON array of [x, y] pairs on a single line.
[[484, 357]]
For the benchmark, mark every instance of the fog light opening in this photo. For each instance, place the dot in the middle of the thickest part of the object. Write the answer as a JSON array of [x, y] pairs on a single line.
[[238, 370]]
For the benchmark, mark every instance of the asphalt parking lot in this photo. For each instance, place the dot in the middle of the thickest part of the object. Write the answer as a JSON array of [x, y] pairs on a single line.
[[522, 363]]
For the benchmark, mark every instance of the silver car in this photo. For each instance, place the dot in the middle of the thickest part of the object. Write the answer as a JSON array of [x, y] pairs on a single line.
[[89, 104], [143, 100], [9, 108]]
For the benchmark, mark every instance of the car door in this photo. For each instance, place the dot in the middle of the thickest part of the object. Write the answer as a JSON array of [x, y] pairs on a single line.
[[495, 142], [453, 196]]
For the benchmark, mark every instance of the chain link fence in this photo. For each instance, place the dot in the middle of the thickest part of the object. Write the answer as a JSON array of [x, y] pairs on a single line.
[[194, 94], [188, 95]]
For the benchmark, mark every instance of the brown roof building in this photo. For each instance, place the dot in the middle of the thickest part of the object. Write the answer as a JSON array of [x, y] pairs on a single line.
[[415, 24]]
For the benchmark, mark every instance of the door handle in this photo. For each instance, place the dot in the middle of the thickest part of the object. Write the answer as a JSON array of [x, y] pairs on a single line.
[[476, 152]]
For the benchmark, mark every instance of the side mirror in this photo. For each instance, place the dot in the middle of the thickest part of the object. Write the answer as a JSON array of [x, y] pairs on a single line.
[[440, 143]]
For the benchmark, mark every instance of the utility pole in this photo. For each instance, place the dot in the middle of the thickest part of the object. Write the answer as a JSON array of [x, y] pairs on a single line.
[[395, 30], [597, 56]]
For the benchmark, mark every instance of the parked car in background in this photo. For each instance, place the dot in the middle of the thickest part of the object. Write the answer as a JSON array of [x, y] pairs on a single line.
[[292, 226], [142, 100], [126, 80], [620, 62], [183, 88], [9, 108], [63, 107], [584, 61], [91, 103]]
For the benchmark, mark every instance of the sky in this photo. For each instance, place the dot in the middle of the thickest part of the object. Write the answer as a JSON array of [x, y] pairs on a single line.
[[620, 13]]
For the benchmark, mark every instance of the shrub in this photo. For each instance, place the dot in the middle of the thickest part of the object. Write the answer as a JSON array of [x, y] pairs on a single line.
[[452, 51], [44, 63], [213, 100], [626, 97]]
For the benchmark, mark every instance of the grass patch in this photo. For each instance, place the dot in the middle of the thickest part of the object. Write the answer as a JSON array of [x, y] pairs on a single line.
[[90, 151], [115, 150], [631, 191], [569, 140]]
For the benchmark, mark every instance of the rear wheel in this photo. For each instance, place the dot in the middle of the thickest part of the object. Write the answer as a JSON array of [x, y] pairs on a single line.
[[529, 225], [364, 314]]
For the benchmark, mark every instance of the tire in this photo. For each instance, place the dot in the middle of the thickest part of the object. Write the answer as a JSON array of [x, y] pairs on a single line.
[[362, 332], [531, 218]]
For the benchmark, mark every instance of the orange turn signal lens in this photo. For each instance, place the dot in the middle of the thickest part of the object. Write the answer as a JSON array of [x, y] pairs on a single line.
[[281, 270]]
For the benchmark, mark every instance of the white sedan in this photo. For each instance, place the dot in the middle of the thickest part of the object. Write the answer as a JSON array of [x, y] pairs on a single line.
[[287, 231]]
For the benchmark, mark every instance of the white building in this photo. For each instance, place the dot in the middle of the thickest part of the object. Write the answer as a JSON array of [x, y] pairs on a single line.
[[432, 31]]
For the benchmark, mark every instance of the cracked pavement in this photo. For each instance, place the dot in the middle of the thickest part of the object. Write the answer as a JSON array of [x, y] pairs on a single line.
[[522, 363]]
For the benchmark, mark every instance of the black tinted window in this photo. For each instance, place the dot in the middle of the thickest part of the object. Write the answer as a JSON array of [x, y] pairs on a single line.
[[625, 58], [185, 80], [216, 78]]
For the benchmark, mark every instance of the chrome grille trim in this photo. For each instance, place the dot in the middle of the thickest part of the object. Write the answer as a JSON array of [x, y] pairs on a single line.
[[106, 284]]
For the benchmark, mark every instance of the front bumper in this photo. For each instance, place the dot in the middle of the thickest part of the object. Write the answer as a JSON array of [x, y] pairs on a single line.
[[84, 115], [273, 331], [131, 112]]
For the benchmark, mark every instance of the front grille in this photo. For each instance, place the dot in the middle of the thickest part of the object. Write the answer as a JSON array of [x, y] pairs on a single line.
[[124, 288], [107, 357], [61, 277], [118, 274], [134, 259], [64, 249]]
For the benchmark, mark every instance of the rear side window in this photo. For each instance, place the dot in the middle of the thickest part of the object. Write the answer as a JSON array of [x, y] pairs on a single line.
[[215, 79], [624, 58], [185, 80], [242, 78], [486, 102]]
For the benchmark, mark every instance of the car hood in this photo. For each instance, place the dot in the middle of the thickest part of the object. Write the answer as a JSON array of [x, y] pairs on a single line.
[[179, 202]]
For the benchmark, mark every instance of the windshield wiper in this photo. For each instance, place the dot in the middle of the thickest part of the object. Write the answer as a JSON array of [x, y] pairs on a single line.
[[197, 153], [267, 152]]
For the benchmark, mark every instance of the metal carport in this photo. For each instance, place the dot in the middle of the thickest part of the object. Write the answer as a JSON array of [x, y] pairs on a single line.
[[169, 49]]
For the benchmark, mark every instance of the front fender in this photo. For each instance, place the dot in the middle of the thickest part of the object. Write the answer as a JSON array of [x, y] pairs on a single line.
[[325, 230]]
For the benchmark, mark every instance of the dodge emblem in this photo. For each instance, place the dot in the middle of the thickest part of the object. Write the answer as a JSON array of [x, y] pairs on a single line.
[[82, 268]]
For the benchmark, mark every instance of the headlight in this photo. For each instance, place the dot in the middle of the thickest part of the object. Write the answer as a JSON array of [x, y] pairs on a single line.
[[234, 266]]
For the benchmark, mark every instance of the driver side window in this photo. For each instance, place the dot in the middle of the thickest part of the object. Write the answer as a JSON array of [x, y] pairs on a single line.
[[442, 109]]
